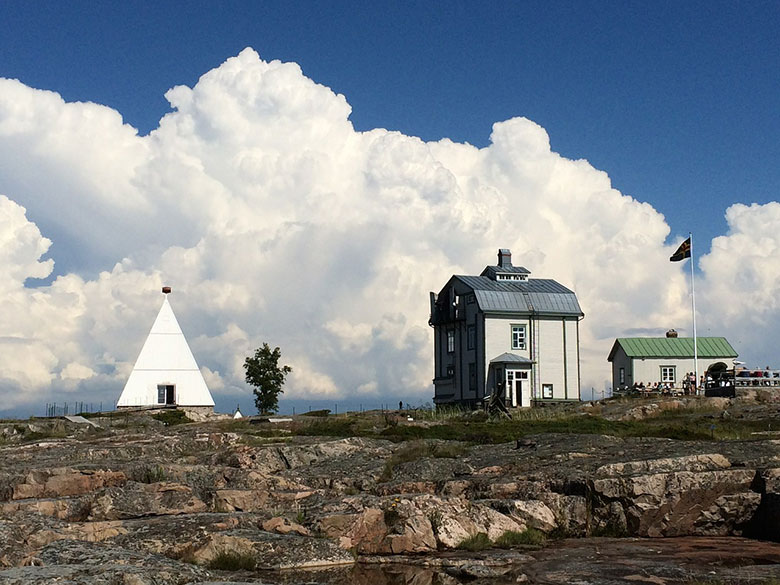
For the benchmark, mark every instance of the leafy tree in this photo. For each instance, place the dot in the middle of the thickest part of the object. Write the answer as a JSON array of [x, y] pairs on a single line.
[[264, 373]]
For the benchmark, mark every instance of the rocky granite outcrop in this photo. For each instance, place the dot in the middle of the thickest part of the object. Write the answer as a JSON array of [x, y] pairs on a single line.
[[178, 502]]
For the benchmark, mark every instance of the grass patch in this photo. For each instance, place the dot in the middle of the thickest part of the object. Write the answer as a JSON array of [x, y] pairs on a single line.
[[232, 561], [442, 413], [690, 423], [332, 427], [689, 427], [480, 541], [263, 438], [529, 536], [171, 417], [416, 450], [148, 474], [719, 581], [52, 433]]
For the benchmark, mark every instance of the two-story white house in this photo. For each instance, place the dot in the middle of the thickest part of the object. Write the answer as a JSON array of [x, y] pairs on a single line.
[[503, 331]]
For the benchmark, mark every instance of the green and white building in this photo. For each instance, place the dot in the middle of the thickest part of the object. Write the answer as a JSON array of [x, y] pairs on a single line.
[[667, 359]]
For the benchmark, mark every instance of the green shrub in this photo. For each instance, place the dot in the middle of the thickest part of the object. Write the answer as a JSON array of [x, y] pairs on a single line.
[[480, 541], [530, 536], [232, 561], [323, 412]]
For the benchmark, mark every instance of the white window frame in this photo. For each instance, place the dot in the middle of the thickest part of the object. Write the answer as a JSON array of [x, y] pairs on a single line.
[[547, 391], [450, 341], [518, 343], [665, 374]]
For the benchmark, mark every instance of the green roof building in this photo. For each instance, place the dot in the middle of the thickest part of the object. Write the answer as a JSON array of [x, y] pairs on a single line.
[[664, 359]]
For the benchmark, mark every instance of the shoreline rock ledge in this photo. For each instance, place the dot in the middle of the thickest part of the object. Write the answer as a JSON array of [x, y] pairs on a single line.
[[170, 505]]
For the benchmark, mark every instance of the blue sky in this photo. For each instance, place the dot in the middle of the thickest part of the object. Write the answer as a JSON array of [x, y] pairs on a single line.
[[256, 180], [677, 101]]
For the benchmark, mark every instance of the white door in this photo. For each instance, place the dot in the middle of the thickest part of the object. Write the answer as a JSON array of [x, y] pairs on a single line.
[[518, 390], [514, 387], [524, 390]]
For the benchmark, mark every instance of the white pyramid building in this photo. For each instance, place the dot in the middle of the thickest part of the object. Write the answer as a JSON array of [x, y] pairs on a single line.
[[165, 372]]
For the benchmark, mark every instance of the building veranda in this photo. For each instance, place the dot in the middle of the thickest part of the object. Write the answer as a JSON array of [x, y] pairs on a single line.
[[666, 363]]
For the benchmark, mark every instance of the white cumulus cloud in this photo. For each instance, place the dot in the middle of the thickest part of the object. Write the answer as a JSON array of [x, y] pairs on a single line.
[[742, 292], [274, 220]]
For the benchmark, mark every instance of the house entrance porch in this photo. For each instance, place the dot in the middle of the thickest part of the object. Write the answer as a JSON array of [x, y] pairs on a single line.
[[509, 376]]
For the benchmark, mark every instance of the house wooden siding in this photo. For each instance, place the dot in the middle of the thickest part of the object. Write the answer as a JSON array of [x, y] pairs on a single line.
[[621, 360], [559, 357], [573, 372], [498, 338], [470, 372]]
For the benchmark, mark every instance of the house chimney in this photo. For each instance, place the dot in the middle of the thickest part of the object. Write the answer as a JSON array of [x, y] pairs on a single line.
[[504, 258], [166, 290], [671, 334]]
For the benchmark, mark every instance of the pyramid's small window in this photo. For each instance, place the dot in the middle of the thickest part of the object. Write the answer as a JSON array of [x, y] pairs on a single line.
[[165, 394]]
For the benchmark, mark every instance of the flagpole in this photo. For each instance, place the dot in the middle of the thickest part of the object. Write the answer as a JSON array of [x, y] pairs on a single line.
[[693, 311]]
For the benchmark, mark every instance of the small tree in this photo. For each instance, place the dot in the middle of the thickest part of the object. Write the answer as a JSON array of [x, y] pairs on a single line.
[[263, 372]]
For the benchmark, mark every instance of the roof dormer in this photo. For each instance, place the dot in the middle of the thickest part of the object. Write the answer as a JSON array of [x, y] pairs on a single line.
[[505, 272]]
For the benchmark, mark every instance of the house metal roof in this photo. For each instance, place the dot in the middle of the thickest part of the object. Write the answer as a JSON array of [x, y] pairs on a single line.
[[673, 347], [537, 296]]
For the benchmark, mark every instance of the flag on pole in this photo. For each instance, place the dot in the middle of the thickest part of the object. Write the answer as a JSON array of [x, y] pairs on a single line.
[[683, 252]]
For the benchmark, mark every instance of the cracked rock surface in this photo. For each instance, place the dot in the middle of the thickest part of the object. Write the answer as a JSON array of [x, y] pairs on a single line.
[[148, 504]]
